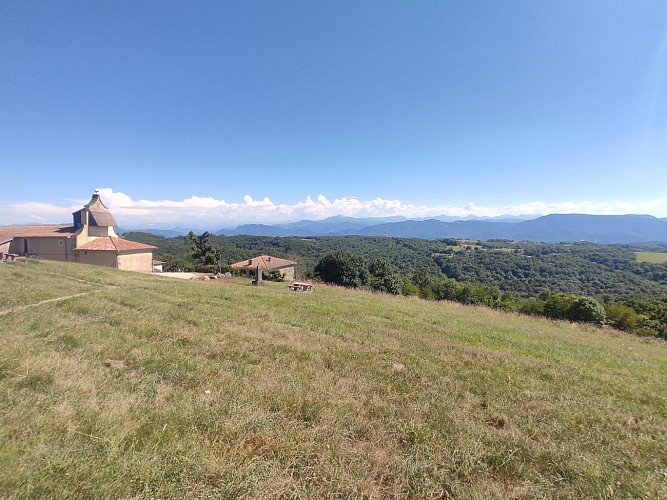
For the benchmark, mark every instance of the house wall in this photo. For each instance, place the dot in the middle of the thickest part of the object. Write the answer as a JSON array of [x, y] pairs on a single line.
[[288, 272], [96, 231], [141, 261], [105, 258], [81, 237], [51, 248], [4, 248]]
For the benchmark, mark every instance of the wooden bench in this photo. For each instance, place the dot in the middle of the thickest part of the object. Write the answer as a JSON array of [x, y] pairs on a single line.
[[300, 287]]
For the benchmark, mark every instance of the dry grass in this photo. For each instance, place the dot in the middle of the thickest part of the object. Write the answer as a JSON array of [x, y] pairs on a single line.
[[152, 387]]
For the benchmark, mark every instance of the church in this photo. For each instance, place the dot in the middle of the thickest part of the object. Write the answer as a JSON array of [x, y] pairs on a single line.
[[91, 239]]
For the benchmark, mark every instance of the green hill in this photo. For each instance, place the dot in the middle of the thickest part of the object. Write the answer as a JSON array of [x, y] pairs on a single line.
[[116, 384]]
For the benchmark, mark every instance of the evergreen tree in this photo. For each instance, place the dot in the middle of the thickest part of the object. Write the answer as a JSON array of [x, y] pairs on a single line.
[[206, 257]]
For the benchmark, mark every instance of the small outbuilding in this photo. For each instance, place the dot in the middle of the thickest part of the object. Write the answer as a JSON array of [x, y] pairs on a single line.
[[269, 263]]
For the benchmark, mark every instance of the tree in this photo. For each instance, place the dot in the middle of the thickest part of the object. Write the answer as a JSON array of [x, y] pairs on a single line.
[[383, 277], [178, 264], [573, 308], [532, 307], [206, 257], [587, 310], [558, 305], [342, 268], [624, 318]]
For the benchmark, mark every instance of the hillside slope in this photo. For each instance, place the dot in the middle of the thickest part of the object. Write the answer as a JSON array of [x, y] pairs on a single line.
[[116, 384]]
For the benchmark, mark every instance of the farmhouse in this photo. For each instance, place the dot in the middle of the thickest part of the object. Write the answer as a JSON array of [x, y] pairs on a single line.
[[269, 263], [91, 239]]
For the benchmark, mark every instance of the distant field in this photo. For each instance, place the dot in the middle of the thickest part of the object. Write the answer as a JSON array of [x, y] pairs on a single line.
[[122, 385], [651, 257]]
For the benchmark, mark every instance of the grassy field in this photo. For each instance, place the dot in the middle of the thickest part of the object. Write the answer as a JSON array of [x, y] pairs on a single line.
[[116, 384], [652, 257]]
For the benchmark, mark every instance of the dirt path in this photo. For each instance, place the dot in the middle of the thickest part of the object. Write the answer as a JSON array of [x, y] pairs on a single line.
[[58, 299]]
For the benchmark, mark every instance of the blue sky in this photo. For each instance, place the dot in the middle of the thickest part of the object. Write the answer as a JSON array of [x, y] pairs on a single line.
[[222, 112]]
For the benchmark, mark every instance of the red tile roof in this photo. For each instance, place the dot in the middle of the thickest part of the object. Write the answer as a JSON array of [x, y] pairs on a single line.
[[114, 244], [53, 230], [264, 262]]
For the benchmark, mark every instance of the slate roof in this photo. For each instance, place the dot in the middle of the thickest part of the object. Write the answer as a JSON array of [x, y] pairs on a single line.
[[101, 218], [264, 262], [34, 231], [99, 214], [108, 243]]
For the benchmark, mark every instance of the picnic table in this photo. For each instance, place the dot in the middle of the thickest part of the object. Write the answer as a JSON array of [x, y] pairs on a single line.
[[8, 257], [297, 286]]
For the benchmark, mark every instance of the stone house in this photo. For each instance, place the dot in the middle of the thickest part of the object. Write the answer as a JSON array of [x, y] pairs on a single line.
[[91, 239], [266, 262]]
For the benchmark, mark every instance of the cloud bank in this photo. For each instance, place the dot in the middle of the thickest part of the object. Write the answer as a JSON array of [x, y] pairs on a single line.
[[211, 213]]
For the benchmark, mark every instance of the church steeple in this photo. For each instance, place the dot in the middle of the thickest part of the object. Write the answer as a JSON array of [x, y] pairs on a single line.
[[94, 213]]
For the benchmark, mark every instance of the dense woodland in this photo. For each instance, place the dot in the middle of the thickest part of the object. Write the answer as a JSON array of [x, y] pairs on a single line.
[[604, 284]]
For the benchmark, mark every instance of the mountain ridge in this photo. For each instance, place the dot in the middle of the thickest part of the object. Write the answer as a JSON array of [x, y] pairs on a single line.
[[552, 228]]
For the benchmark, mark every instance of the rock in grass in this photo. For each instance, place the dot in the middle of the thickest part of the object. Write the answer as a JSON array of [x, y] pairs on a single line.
[[118, 364]]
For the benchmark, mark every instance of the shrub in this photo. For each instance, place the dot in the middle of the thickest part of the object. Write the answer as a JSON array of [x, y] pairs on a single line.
[[573, 308], [409, 288], [273, 275], [342, 268], [383, 277], [532, 307], [558, 305], [587, 310]]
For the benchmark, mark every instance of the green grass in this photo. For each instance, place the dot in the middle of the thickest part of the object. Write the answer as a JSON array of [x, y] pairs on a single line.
[[651, 257], [148, 387]]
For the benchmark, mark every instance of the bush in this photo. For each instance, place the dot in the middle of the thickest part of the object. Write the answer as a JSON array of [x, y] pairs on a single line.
[[383, 277], [273, 275], [587, 310], [342, 268], [624, 318], [532, 307], [409, 288], [573, 308], [178, 264], [558, 305]]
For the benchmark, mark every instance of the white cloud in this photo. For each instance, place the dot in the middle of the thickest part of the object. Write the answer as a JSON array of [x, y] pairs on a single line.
[[208, 212]]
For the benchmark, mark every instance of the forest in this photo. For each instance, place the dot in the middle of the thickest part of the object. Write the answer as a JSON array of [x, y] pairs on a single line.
[[598, 283]]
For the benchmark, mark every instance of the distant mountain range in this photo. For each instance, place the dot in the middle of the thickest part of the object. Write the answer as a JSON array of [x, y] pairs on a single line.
[[550, 228], [167, 233]]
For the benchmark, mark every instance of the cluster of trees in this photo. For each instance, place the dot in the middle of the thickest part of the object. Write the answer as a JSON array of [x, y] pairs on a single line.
[[532, 278], [345, 268], [582, 269]]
